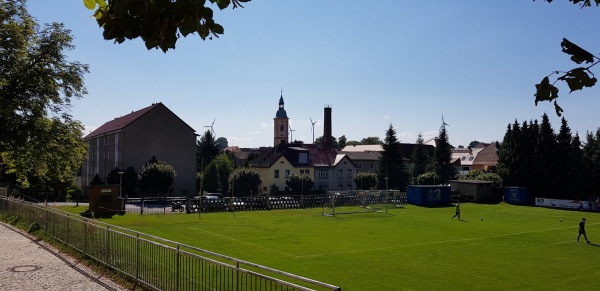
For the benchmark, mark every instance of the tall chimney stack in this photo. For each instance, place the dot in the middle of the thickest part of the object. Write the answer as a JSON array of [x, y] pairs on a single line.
[[327, 137]]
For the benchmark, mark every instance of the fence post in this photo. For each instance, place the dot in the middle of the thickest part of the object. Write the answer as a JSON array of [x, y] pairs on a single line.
[[68, 227], [237, 275], [85, 237], [137, 256], [108, 245], [47, 219], [177, 267]]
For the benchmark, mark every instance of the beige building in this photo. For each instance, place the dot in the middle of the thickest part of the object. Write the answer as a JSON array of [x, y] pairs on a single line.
[[133, 139]]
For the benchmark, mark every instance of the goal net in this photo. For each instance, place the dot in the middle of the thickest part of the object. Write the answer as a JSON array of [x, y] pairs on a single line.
[[349, 202]]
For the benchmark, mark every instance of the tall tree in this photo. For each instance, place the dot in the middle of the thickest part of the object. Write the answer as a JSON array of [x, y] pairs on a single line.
[[563, 157], [37, 84], [591, 154], [342, 142], [156, 178], [130, 178], [320, 141], [443, 155], [420, 158], [208, 149], [52, 154], [113, 176], [391, 164], [222, 143], [300, 184], [371, 140], [245, 181], [545, 155], [224, 165], [365, 181], [211, 181]]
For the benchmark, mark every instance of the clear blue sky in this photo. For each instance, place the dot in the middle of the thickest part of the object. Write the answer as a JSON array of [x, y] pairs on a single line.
[[375, 62]]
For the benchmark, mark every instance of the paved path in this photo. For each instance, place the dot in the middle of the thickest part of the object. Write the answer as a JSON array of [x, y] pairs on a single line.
[[28, 264]]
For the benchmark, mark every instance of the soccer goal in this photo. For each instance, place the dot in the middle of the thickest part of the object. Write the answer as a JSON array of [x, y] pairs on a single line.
[[350, 202]]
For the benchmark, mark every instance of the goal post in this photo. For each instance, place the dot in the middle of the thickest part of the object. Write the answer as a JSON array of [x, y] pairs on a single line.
[[362, 201]]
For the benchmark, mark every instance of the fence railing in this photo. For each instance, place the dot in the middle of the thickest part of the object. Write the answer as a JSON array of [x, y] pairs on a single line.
[[152, 261], [251, 203]]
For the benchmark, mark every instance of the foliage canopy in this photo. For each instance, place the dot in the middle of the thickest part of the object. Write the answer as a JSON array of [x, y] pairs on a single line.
[[158, 23]]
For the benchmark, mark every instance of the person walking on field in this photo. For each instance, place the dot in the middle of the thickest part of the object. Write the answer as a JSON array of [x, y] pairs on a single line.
[[582, 230], [457, 206]]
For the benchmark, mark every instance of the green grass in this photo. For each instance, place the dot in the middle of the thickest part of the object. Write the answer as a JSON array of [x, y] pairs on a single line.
[[414, 248]]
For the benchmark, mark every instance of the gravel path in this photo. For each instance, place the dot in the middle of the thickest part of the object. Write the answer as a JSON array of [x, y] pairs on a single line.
[[28, 264]]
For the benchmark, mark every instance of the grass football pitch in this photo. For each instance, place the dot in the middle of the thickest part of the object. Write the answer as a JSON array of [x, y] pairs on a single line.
[[494, 247]]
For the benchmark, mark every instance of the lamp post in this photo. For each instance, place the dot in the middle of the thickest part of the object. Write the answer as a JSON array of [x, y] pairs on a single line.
[[386, 193], [121, 184]]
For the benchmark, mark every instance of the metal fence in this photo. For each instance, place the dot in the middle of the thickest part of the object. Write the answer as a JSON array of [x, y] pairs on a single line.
[[253, 203], [152, 261]]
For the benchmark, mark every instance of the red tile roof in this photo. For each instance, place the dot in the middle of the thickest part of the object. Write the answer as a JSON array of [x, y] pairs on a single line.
[[121, 122]]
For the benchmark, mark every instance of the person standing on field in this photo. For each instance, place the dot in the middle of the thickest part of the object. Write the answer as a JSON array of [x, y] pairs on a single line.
[[457, 212], [582, 230]]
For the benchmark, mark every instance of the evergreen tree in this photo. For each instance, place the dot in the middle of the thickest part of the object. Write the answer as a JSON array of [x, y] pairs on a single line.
[[391, 164], [113, 176], [342, 142], [443, 154], [129, 181], [545, 178], [577, 175], [420, 159], [591, 156], [208, 149], [96, 180], [563, 158], [506, 152]]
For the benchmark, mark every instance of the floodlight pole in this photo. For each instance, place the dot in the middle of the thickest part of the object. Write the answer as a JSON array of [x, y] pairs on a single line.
[[386, 193]]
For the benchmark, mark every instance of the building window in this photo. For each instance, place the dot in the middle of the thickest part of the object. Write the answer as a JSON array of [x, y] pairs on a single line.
[[340, 173], [287, 173], [307, 172], [371, 166], [349, 173], [323, 174], [276, 174], [359, 165], [349, 186]]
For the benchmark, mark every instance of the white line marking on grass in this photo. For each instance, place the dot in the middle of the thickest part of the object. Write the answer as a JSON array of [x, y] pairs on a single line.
[[245, 242], [438, 242]]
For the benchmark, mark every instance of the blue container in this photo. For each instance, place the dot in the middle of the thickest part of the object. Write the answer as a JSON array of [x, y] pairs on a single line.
[[517, 196], [425, 195]]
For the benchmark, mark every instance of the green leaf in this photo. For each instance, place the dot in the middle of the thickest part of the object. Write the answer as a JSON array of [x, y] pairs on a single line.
[[217, 29], [89, 4], [101, 3], [223, 4]]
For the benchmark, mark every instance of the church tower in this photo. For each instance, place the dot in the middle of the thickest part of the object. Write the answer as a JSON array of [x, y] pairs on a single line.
[[280, 124]]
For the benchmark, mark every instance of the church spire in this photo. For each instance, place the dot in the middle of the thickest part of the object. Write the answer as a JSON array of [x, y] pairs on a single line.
[[280, 124]]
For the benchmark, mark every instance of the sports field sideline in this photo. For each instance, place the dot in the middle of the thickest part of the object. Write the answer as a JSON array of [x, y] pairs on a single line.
[[494, 247]]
